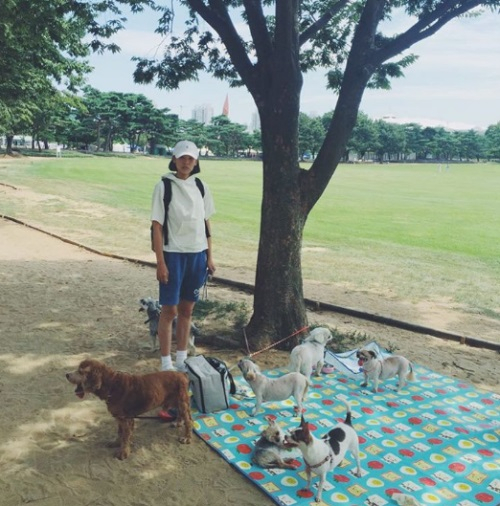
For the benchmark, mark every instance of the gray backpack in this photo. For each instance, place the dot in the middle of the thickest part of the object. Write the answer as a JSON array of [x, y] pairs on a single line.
[[211, 383]]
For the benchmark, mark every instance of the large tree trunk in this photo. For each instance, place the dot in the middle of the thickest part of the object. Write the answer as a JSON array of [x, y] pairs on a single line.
[[289, 193], [279, 308]]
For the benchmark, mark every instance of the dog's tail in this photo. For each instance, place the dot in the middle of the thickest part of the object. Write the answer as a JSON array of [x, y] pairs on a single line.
[[348, 417], [411, 375], [295, 363]]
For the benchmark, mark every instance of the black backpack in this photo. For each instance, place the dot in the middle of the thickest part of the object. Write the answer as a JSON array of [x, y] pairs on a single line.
[[167, 197]]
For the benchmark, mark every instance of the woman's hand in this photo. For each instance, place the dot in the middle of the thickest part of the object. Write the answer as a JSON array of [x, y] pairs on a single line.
[[210, 266], [162, 273]]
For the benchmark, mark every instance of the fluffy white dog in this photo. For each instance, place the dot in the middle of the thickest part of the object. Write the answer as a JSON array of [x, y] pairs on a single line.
[[310, 354]]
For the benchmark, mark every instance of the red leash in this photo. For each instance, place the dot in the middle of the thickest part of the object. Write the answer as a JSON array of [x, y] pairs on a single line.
[[273, 344]]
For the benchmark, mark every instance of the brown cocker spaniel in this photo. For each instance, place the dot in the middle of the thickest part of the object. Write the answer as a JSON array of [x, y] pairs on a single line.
[[129, 395]]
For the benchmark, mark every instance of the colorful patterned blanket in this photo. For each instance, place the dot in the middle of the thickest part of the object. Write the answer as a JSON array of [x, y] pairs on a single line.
[[438, 440]]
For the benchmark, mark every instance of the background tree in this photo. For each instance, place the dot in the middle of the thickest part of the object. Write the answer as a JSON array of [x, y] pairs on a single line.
[[230, 137], [162, 129], [390, 140], [43, 48], [311, 135], [492, 136], [255, 141], [470, 145], [414, 140], [289, 38], [364, 137], [197, 132], [445, 144]]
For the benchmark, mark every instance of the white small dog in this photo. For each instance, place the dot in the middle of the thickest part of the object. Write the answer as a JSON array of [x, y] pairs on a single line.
[[310, 354], [325, 454], [273, 389], [379, 369]]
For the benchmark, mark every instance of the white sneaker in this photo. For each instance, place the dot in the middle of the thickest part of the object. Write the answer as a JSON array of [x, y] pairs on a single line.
[[171, 368], [181, 367]]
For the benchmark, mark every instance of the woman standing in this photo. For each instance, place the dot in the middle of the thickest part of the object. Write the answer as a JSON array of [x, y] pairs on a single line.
[[183, 248]]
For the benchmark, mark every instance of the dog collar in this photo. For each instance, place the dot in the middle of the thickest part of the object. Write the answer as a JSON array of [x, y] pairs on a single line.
[[329, 457]]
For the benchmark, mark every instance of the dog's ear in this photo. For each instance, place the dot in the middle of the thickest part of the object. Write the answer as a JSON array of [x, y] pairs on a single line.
[[326, 335], [372, 353], [304, 426], [94, 375]]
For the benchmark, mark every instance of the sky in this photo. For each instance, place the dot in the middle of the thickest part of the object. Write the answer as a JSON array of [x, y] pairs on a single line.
[[455, 83]]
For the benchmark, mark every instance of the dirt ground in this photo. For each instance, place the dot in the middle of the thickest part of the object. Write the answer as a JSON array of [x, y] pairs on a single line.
[[60, 304]]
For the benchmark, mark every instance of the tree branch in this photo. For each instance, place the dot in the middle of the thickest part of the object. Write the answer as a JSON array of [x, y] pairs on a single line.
[[285, 62], [318, 25], [358, 71], [258, 28], [426, 26], [217, 16]]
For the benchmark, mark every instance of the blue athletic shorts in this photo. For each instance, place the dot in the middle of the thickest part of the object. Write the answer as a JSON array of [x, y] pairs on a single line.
[[187, 273]]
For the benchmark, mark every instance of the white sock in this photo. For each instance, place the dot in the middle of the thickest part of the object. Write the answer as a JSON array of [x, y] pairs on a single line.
[[180, 357], [166, 363]]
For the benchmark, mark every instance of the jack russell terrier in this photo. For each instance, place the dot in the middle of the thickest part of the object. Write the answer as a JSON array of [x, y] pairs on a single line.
[[274, 389], [310, 354], [379, 369], [325, 454]]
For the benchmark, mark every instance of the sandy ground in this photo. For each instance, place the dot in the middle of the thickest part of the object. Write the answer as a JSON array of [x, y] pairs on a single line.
[[60, 304]]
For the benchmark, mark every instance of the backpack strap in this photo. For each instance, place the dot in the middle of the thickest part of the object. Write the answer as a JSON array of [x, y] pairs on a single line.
[[221, 366], [200, 186], [167, 197]]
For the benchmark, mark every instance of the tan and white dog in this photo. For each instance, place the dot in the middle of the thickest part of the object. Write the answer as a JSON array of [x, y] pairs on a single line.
[[379, 369], [309, 355]]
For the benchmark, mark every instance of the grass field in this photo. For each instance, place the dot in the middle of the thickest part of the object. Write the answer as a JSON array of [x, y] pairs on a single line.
[[408, 230]]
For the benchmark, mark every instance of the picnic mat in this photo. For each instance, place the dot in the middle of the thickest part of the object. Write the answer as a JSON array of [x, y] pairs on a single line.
[[437, 440]]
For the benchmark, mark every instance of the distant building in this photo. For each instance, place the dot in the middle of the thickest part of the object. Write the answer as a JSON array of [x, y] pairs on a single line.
[[203, 113], [254, 122]]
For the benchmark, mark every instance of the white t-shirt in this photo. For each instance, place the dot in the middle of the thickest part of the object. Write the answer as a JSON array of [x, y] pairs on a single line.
[[187, 213]]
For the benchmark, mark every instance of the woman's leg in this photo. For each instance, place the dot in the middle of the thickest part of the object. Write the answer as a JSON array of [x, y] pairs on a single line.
[[183, 330]]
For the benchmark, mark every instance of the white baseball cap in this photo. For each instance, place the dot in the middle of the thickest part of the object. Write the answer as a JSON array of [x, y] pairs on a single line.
[[186, 148]]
